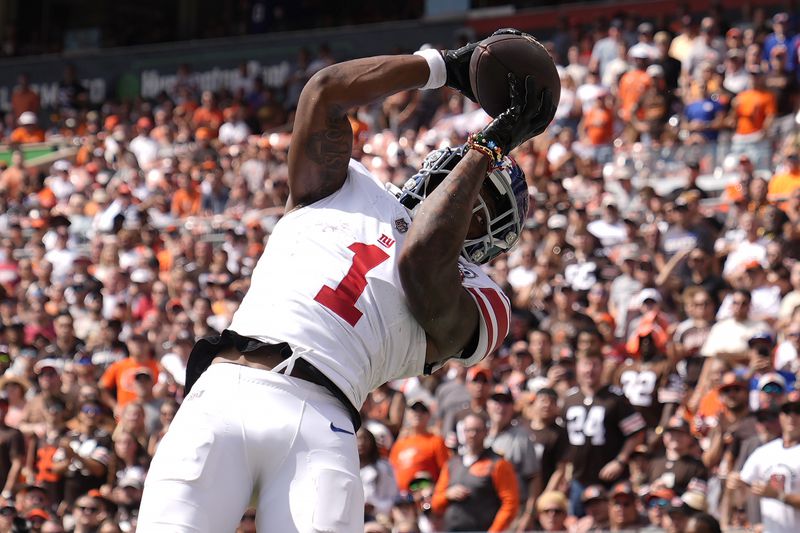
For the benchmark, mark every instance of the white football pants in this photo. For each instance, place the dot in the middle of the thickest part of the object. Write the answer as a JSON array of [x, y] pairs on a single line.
[[241, 428]]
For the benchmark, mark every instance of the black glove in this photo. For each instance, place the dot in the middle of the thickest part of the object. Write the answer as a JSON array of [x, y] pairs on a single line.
[[457, 64], [526, 117]]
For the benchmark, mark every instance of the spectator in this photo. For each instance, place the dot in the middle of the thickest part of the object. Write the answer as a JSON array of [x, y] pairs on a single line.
[[679, 468], [477, 490], [24, 98], [117, 381], [510, 440], [603, 429], [417, 449], [552, 510], [771, 473], [12, 451], [28, 130], [380, 488], [729, 337]]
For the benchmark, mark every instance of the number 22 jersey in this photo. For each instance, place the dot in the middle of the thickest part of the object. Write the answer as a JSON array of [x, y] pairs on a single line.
[[328, 285]]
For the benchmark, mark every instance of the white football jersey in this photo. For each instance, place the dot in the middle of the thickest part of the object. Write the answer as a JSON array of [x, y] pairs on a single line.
[[328, 285]]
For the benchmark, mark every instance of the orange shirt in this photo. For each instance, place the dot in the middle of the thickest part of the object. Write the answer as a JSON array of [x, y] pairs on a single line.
[[22, 136], [22, 101], [710, 406], [752, 110], [781, 186], [120, 375], [417, 453], [632, 87], [185, 203], [210, 118], [599, 125]]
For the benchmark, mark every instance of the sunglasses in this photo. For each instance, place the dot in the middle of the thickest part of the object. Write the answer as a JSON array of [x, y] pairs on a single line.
[[732, 390], [772, 388], [91, 410], [8, 511], [552, 511], [658, 502], [87, 509]]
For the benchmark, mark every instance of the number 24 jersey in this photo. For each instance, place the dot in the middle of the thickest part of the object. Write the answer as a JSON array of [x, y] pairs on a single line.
[[597, 428], [328, 285]]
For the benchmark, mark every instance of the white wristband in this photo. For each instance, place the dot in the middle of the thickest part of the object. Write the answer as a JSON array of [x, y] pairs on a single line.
[[436, 65]]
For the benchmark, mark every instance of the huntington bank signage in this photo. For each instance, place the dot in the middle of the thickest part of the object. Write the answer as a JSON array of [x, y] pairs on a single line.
[[128, 73]]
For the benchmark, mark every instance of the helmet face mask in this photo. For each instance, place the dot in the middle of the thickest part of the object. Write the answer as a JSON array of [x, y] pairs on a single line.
[[499, 213]]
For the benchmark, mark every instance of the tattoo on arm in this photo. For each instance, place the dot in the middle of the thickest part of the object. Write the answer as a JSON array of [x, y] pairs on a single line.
[[329, 149]]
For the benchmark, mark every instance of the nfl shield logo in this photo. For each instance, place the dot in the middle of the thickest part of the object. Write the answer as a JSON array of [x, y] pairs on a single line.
[[401, 225]]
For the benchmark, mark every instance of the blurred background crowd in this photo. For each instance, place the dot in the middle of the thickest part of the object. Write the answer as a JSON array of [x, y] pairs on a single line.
[[648, 380]]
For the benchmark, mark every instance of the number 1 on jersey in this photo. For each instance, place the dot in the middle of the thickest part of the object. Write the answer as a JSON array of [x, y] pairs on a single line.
[[342, 299]]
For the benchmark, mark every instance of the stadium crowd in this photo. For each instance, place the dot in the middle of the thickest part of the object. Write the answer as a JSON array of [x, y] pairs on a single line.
[[648, 381]]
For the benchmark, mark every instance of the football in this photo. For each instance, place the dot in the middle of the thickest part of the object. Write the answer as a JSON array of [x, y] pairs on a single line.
[[498, 55]]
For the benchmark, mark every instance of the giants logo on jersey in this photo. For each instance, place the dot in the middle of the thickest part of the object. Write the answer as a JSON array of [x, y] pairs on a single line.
[[385, 241]]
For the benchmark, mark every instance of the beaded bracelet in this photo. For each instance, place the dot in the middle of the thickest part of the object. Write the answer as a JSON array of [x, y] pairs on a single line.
[[479, 142]]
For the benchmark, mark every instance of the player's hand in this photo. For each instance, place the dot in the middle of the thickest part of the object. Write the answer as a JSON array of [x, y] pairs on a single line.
[[526, 117], [456, 63], [612, 471], [456, 493]]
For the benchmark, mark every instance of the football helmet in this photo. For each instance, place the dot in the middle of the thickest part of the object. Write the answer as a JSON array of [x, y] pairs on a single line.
[[503, 214]]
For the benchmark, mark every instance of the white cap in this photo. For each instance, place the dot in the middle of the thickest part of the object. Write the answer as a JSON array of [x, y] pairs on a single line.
[[639, 51], [62, 165], [655, 71], [27, 118], [771, 377], [557, 221], [648, 294], [141, 275]]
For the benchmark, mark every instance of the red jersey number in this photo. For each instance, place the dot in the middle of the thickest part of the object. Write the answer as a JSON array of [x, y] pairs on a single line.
[[342, 299]]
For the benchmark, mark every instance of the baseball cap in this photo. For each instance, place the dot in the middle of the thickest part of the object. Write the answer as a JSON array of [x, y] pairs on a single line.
[[592, 493], [734, 32], [557, 221], [639, 51], [475, 371], [780, 18], [623, 488], [141, 275], [731, 379], [678, 423], [648, 294], [420, 404], [28, 118], [764, 336], [753, 264], [62, 165], [645, 27], [552, 499], [38, 513], [144, 122], [48, 362], [421, 479], [772, 378], [132, 478], [501, 392], [661, 492]]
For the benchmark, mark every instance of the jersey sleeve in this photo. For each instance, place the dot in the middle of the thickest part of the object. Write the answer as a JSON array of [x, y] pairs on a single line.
[[494, 311], [630, 420]]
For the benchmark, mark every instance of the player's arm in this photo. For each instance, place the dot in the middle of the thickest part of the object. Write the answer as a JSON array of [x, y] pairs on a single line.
[[322, 138], [428, 261]]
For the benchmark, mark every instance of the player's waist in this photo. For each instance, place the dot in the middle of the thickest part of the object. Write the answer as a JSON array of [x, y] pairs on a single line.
[[268, 356]]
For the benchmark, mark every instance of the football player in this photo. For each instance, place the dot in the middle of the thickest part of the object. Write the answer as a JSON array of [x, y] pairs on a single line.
[[348, 294]]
